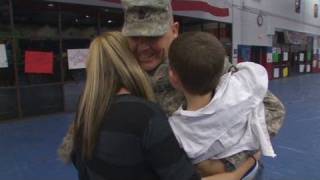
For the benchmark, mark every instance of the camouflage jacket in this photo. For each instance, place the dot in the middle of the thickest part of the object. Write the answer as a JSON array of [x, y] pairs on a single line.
[[170, 100]]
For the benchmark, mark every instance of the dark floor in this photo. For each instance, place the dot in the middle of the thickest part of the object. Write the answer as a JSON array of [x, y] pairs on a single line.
[[28, 147]]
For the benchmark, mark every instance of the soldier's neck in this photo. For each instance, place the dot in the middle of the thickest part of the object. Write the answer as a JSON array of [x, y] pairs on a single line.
[[195, 102]]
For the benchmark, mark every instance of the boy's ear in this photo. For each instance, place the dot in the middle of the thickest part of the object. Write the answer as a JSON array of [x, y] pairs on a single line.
[[175, 29], [174, 79]]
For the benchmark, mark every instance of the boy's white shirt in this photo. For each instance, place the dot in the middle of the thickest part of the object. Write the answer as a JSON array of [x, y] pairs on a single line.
[[232, 122]]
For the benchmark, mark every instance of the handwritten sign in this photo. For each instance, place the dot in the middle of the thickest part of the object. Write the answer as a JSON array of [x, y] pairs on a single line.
[[77, 58]]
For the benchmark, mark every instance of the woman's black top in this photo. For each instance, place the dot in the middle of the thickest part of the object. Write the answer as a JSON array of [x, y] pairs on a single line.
[[135, 143]]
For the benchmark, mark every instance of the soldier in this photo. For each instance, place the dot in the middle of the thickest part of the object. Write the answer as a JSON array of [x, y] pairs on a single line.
[[150, 28]]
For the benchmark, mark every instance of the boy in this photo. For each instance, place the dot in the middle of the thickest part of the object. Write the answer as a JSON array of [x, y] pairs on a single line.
[[224, 113]]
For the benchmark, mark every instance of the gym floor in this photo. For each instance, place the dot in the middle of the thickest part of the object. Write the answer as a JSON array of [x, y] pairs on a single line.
[[28, 147]]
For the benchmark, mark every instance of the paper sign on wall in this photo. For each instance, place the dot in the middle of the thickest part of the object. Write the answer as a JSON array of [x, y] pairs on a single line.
[[285, 56], [308, 68], [275, 57], [301, 59], [77, 58], [269, 57], [301, 68], [285, 72], [309, 56], [314, 63], [276, 72], [3, 56], [39, 62]]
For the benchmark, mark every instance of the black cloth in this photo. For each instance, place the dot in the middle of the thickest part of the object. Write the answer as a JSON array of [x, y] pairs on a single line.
[[135, 143]]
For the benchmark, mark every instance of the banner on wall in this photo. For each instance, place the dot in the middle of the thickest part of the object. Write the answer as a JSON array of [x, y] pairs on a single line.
[[39, 62], [3, 56], [215, 8], [77, 58]]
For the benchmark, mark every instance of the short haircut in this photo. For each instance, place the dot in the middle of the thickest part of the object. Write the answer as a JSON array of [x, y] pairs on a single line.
[[198, 59]]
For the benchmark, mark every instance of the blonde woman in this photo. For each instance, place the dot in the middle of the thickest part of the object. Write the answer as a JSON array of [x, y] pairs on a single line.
[[119, 133]]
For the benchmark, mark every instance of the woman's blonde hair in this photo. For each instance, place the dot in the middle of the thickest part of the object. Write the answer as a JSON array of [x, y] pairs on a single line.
[[110, 67]]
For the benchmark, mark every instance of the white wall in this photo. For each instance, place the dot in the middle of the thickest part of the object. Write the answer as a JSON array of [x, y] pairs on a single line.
[[278, 14]]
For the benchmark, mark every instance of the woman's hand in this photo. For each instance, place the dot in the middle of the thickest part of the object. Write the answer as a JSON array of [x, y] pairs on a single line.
[[239, 172]]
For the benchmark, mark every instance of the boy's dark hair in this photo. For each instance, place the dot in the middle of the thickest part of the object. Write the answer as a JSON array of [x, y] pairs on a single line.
[[198, 59]]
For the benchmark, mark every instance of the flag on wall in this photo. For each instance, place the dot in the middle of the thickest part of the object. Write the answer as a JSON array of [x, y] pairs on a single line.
[[201, 5], [39, 62], [3, 56], [215, 7], [77, 58]]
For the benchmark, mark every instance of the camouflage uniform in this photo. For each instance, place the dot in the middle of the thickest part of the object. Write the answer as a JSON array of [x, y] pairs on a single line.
[[170, 100], [166, 95], [146, 17]]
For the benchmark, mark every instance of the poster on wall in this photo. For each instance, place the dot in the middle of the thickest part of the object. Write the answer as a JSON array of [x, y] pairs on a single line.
[[308, 68], [269, 57], [3, 56], [77, 58], [301, 57], [301, 68], [314, 63], [276, 72], [285, 72], [39, 62], [285, 56], [275, 55], [309, 56]]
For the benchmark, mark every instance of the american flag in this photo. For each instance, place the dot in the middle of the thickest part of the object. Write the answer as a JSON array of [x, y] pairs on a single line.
[[214, 7]]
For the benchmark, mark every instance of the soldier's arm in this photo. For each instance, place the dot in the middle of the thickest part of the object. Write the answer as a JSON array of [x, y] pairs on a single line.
[[275, 113], [65, 148]]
